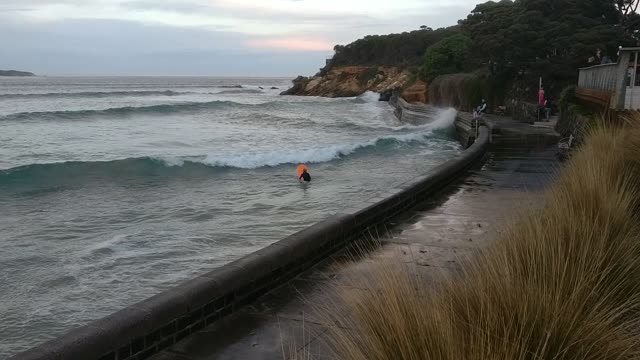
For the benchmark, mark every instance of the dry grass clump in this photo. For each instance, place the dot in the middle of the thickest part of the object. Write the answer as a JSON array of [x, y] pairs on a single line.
[[561, 283]]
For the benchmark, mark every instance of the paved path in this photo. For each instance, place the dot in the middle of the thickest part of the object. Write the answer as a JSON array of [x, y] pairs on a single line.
[[468, 215], [505, 130]]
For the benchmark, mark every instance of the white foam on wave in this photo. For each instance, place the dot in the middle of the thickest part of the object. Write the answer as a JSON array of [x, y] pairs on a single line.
[[289, 156], [369, 97], [443, 119], [108, 244], [169, 160]]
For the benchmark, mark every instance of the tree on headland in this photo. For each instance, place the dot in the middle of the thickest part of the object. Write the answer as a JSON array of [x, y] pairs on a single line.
[[405, 49], [552, 39], [627, 7], [519, 40], [629, 18], [447, 56]]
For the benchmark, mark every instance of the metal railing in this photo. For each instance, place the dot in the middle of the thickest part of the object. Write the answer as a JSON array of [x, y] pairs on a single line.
[[599, 77]]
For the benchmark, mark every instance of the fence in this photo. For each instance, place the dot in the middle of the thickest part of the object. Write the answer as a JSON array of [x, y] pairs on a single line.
[[599, 77]]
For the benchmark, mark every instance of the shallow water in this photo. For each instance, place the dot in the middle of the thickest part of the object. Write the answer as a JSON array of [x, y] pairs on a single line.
[[113, 189]]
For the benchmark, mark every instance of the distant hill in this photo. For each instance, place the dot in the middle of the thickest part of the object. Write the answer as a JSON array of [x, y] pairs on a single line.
[[15, 73]]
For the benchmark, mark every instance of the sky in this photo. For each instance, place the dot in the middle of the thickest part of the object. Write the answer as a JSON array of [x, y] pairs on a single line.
[[200, 37]]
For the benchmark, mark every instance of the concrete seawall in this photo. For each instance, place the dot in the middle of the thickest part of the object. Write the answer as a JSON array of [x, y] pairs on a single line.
[[414, 114], [431, 240], [418, 114], [466, 128], [145, 328]]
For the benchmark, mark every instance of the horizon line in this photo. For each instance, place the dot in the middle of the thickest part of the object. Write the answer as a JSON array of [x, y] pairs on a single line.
[[131, 75]]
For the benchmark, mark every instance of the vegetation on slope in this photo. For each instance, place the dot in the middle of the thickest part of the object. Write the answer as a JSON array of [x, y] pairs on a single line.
[[447, 56], [405, 49], [562, 283], [552, 39], [516, 41]]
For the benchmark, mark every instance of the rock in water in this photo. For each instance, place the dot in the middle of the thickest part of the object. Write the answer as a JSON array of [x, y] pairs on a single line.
[[386, 95], [299, 84]]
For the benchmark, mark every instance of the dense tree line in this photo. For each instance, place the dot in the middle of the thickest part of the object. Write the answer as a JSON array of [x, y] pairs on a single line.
[[511, 40], [405, 49], [548, 38]]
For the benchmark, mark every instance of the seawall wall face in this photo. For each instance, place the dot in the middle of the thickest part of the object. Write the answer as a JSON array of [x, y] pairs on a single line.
[[145, 328], [467, 128]]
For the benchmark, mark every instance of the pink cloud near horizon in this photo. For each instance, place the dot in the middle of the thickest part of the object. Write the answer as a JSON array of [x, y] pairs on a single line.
[[296, 44]]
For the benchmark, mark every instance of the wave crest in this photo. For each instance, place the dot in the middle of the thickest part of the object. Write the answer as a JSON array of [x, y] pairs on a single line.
[[52, 174], [126, 111], [239, 92], [95, 94]]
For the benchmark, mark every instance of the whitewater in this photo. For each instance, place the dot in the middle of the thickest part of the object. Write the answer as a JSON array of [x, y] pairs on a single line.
[[114, 189]]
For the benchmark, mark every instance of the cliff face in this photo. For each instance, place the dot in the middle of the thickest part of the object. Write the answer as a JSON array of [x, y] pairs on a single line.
[[351, 81]]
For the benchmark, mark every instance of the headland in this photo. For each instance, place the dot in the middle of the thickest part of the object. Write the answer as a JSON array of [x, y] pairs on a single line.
[[16, 73]]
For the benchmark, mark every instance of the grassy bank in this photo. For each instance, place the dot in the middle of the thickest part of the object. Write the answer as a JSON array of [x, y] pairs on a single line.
[[562, 282]]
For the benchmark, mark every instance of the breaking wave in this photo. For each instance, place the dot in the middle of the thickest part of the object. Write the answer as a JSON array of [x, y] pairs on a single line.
[[116, 170]]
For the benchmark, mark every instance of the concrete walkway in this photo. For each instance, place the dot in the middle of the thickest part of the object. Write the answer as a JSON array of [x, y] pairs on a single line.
[[468, 215]]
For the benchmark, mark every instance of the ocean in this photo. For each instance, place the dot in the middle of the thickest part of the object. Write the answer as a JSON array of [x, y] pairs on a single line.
[[113, 189]]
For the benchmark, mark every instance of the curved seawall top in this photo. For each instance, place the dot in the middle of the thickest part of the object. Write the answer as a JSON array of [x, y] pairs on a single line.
[[145, 328]]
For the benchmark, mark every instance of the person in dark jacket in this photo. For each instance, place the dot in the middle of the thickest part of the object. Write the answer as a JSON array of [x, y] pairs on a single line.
[[305, 176], [480, 110]]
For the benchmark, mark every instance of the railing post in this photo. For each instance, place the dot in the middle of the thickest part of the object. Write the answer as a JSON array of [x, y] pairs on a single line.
[[621, 80]]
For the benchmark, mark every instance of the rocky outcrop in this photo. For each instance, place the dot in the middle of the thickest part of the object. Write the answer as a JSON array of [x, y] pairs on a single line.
[[417, 93], [15, 73], [351, 81]]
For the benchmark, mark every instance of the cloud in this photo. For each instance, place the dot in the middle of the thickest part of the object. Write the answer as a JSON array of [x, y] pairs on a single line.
[[14, 9], [298, 44], [157, 36], [115, 47], [186, 7], [22, 5]]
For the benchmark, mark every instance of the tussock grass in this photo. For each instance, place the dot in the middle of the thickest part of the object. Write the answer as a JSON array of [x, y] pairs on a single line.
[[562, 282]]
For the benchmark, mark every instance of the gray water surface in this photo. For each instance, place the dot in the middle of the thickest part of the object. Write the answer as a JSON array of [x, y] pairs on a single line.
[[114, 189]]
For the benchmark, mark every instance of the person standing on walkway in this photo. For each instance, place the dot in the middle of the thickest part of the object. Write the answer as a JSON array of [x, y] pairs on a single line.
[[480, 110], [477, 114], [541, 101], [546, 108]]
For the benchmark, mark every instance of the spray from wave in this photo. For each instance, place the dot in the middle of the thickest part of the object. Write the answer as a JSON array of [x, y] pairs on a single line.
[[367, 98], [442, 119]]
